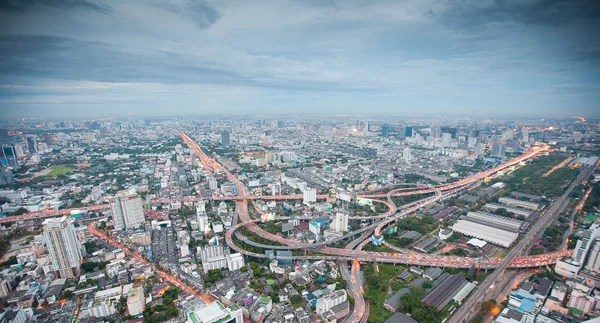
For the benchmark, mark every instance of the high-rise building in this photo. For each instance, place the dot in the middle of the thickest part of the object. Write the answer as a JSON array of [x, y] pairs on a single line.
[[127, 211], [309, 195], [47, 138], [385, 130], [408, 132], [593, 261], [225, 144], [32, 145], [212, 183], [498, 149], [4, 137], [235, 261], [471, 142], [201, 216], [436, 131], [446, 139], [585, 243], [508, 134], [525, 132], [9, 157], [63, 246], [213, 257], [479, 149], [340, 222], [135, 301], [330, 300], [407, 155]]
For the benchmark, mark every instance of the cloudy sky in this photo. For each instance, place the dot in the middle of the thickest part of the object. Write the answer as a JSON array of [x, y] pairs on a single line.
[[87, 58]]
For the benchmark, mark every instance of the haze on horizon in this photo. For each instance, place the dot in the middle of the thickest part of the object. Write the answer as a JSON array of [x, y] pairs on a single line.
[[87, 58]]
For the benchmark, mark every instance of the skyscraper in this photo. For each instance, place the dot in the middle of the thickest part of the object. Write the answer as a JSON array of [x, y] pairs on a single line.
[[32, 145], [225, 140], [340, 222], [385, 130], [446, 139], [4, 137], [593, 261], [127, 211], [407, 156], [525, 132], [63, 246], [408, 132], [498, 149]]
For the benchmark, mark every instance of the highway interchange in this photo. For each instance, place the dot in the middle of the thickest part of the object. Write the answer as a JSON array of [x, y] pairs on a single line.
[[353, 253]]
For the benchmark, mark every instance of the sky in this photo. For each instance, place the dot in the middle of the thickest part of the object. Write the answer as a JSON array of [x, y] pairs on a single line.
[[88, 58]]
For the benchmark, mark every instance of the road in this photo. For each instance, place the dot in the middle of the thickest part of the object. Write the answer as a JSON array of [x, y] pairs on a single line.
[[472, 306], [185, 286]]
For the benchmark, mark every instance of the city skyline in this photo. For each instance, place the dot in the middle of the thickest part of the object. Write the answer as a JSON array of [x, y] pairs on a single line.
[[98, 59]]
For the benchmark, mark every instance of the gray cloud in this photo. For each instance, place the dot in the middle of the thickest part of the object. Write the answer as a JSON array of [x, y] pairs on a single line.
[[197, 12], [30, 5], [471, 14]]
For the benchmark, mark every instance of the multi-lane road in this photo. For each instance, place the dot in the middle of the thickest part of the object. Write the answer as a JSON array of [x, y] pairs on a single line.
[[471, 306]]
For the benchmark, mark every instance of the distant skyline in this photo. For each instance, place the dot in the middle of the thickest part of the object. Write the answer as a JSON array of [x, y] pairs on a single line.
[[86, 58]]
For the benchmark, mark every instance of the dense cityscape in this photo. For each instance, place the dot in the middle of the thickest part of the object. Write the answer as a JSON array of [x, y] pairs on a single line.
[[270, 219], [300, 161]]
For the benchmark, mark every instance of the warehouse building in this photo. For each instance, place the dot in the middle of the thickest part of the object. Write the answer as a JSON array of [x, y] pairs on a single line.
[[445, 292], [519, 203], [484, 232], [514, 210], [495, 221]]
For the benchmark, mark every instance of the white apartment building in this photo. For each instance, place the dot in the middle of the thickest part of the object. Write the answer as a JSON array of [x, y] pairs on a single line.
[[127, 211], [309, 195], [235, 261], [330, 300], [63, 246], [213, 257]]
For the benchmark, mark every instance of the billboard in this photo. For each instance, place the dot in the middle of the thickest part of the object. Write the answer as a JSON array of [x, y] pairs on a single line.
[[377, 240], [249, 300], [392, 230], [254, 183]]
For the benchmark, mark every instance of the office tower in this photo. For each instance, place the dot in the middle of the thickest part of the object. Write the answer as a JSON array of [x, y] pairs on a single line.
[[407, 156], [366, 126], [446, 139], [127, 211], [498, 149], [63, 246], [479, 149], [593, 261], [408, 132], [32, 145], [436, 131], [385, 130], [340, 222], [225, 144], [4, 137], [471, 142], [508, 134], [9, 157], [525, 132], [47, 138], [309, 195]]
